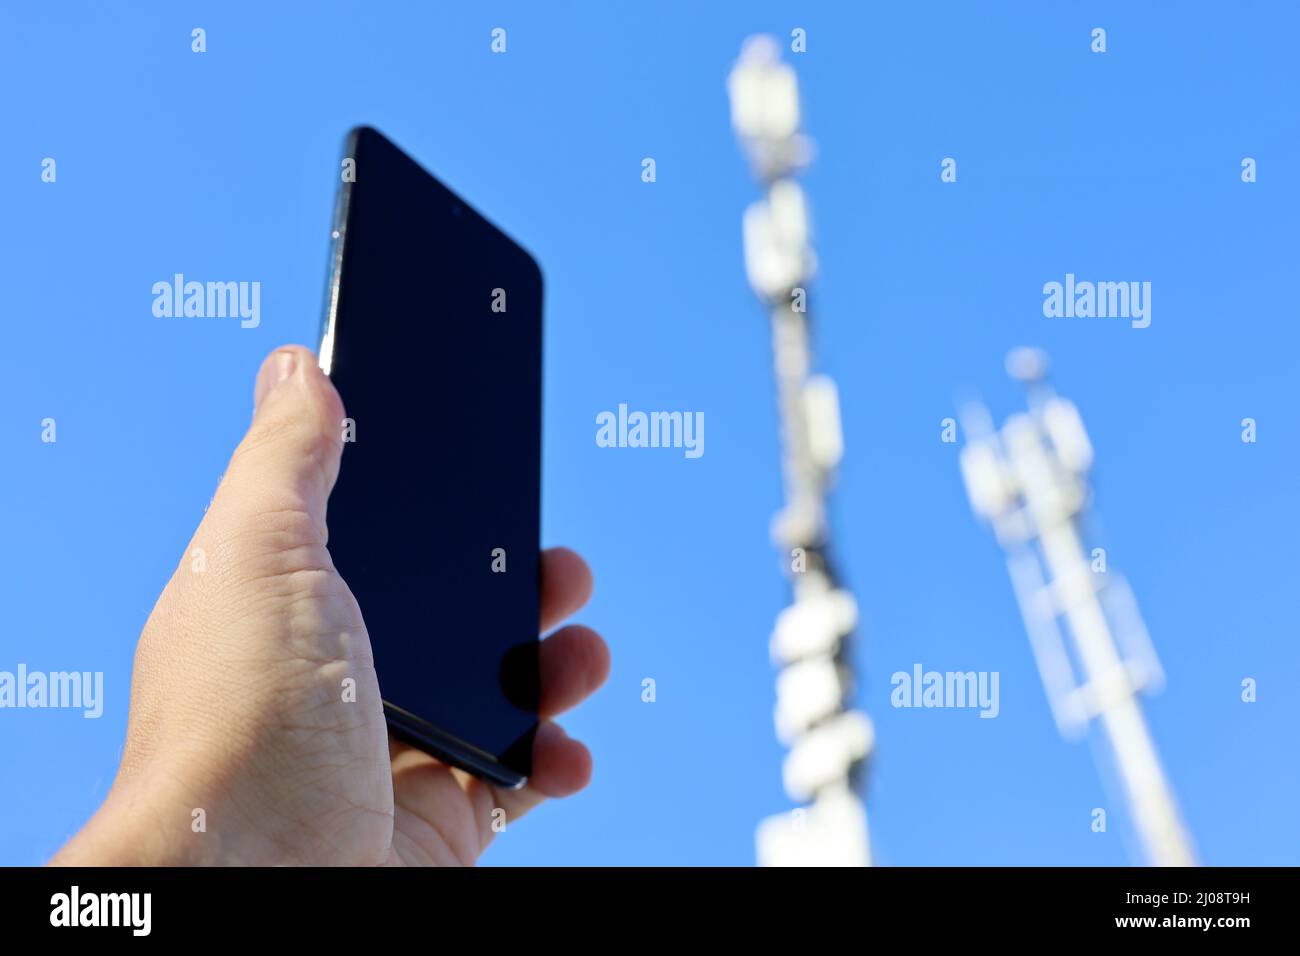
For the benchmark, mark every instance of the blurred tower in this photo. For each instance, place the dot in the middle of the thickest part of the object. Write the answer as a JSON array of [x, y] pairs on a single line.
[[828, 742], [1029, 481]]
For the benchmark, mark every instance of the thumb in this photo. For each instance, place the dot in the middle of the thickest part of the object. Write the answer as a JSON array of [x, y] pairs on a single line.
[[289, 459]]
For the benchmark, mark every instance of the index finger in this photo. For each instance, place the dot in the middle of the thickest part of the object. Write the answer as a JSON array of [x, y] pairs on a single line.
[[566, 585]]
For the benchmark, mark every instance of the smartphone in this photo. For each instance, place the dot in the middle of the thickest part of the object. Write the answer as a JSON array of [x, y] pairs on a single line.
[[433, 336]]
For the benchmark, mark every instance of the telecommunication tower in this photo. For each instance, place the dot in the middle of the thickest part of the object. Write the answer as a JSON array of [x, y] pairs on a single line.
[[1029, 481], [828, 741]]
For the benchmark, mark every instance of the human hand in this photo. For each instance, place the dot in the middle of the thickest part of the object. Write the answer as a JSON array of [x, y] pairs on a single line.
[[236, 702]]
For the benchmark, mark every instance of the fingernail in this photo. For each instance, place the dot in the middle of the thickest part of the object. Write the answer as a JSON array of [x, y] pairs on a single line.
[[278, 369]]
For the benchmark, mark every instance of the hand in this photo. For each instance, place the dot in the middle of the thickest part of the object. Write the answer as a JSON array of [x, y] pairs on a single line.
[[237, 715]]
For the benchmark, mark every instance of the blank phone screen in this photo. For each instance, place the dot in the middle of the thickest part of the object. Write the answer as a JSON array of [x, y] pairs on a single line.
[[434, 523]]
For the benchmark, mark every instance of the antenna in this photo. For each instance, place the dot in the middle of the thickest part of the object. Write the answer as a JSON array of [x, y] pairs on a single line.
[[1029, 481], [828, 741]]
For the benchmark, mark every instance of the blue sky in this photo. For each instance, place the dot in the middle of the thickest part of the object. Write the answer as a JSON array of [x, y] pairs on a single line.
[[1117, 166]]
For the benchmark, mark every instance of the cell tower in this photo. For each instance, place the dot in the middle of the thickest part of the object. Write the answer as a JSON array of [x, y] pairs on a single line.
[[828, 742], [1029, 481]]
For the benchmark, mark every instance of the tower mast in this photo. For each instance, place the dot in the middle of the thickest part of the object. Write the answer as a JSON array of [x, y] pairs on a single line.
[[828, 741], [1029, 481]]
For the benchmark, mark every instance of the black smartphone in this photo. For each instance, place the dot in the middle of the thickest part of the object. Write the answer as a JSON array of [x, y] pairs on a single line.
[[433, 336]]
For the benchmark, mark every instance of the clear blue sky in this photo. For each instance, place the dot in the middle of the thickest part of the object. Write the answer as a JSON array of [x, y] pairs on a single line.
[[1117, 166]]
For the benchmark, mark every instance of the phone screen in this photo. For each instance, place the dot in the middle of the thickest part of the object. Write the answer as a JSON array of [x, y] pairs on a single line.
[[433, 339]]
